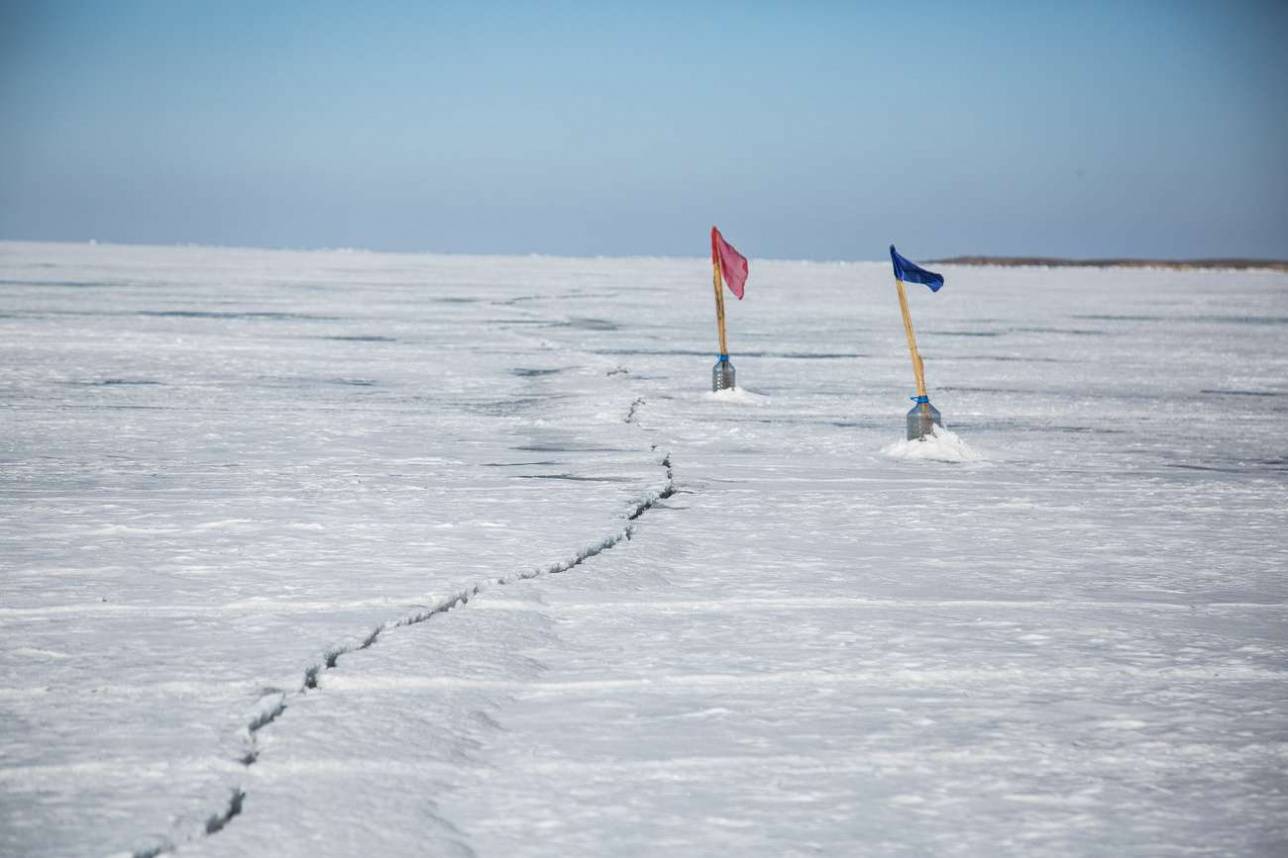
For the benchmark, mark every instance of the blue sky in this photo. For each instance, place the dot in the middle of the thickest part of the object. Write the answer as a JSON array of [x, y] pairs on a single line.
[[805, 130]]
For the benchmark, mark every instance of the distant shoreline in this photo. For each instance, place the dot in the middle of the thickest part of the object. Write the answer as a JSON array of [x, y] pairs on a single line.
[[1177, 264]]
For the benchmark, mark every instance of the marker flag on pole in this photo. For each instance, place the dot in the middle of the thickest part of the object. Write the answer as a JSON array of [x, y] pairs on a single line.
[[910, 272], [733, 265]]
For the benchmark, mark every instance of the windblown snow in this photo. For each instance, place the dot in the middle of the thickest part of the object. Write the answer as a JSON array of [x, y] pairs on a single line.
[[329, 554]]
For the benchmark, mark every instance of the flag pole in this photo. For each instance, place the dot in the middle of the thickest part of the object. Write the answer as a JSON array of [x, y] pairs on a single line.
[[923, 417], [718, 283], [918, 368], [722, 374]]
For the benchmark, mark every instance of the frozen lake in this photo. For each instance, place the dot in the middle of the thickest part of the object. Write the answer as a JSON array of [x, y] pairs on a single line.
[[240, 489]]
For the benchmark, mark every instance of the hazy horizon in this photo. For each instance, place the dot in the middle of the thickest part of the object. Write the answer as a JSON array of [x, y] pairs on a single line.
[[885, 260], [820, 131]]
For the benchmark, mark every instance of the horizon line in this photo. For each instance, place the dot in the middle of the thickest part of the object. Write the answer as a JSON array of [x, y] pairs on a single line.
[[968, 260]]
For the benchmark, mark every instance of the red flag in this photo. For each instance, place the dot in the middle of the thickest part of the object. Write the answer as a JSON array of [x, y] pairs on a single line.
[[733, 265]]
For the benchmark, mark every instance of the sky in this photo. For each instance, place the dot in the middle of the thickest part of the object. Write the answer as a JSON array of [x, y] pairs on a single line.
[[805, 130]]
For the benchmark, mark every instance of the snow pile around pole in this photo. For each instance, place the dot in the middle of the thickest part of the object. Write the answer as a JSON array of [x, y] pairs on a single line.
[[941, 445], [738, 396]]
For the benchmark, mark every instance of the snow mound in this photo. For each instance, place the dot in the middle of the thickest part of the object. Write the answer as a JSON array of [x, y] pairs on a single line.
[[941, 446], [738, 396]]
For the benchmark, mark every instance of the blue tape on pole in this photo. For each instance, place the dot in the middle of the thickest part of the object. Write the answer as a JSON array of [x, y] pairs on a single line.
[[724, 358], [920, 400]]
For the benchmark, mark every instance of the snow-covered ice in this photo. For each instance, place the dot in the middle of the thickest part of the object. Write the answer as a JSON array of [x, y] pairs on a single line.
[[941, 445], [342, 553]]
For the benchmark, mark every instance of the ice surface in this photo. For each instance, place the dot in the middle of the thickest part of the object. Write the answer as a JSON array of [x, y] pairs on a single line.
[[256, 510]]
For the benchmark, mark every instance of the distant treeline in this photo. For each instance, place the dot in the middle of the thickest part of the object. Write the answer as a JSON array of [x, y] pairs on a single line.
[[1179, 264]]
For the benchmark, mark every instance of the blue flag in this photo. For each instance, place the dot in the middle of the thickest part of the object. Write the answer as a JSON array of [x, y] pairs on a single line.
[[911, 272]]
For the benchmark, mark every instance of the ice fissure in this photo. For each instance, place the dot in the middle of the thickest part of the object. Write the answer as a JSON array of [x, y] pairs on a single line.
[[274, 704]]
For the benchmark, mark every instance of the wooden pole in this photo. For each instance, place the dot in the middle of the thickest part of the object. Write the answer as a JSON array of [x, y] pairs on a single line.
[[716, 281], [918, 369]]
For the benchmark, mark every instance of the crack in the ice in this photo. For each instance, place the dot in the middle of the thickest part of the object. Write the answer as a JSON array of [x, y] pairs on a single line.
[[268, 716], [217, 821], [311, 676], [331, 658], [630, 415], [370, 639]]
